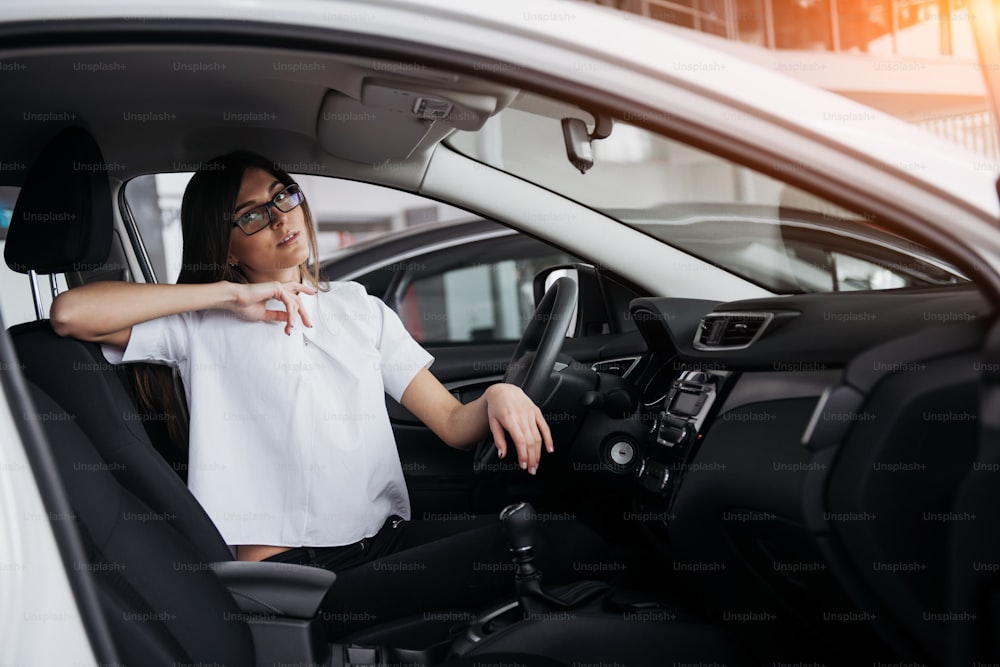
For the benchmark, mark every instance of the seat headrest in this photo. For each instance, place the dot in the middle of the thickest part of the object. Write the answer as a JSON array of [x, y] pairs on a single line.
[[62, 220]]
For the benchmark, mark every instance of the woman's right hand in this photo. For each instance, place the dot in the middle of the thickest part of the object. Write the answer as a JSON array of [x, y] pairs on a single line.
[[106, 311], [251, 303]]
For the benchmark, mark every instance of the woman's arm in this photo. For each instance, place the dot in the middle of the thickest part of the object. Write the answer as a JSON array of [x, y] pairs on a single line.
[[106, 311], [503, 407]]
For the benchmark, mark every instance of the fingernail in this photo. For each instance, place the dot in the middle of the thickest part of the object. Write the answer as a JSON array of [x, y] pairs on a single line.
[[524, 465], [533, 470]]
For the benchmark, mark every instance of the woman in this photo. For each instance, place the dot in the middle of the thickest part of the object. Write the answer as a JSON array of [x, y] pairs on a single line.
[[291, 451]]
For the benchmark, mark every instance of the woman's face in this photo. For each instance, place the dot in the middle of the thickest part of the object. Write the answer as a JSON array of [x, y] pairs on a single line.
[[275, 252]]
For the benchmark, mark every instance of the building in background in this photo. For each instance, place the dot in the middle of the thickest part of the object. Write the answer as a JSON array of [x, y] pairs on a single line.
[[914, 59]]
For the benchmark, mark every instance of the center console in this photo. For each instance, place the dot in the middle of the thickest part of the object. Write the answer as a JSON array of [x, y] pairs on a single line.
[[678, 428]]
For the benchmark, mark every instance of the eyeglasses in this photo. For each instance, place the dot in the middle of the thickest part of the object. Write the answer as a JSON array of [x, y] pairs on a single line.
[[259, 217]]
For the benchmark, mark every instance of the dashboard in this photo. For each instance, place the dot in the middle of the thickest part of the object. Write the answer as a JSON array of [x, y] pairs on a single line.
[[792, 444], [712, 365]]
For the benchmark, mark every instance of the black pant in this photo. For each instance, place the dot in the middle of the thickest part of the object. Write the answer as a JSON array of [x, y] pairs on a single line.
[[444, 562]]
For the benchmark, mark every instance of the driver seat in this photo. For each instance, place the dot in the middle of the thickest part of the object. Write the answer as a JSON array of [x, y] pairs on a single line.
[[75, 373]]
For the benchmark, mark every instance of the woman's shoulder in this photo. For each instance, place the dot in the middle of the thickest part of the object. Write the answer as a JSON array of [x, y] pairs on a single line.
[[346, 291], [349, 300]]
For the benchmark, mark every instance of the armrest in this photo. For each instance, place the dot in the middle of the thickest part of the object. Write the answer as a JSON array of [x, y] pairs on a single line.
[[279, 589]]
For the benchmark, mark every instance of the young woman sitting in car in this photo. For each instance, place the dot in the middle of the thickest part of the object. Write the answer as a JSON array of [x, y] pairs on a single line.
[[291, 452]]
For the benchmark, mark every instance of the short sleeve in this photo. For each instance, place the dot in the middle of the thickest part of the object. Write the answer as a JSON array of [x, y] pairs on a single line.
[[401, 356], [165, 340]]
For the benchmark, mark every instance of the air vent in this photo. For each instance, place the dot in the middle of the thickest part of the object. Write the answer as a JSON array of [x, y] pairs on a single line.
[[730, 331]]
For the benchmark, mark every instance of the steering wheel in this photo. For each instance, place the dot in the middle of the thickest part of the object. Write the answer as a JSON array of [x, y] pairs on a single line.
[[534, 358]]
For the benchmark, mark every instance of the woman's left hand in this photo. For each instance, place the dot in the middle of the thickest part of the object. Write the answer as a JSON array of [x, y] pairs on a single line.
[[502, 409], [510, 411]]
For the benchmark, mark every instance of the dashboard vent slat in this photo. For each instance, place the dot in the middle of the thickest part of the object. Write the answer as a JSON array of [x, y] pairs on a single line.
[[731, 331]]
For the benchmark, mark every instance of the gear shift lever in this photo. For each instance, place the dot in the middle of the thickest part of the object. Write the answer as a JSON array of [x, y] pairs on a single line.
[[520, 530]]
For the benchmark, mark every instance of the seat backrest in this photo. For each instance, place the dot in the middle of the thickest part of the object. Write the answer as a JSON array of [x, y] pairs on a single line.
[[76, 375], [893, 484], [162, 603], [974, 553], [62, 223]]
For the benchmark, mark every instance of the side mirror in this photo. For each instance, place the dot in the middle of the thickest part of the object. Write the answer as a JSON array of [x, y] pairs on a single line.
[[591, 316]]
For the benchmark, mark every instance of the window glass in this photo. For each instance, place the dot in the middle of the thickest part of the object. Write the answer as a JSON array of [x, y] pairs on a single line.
[[476, 301], [741, 220]]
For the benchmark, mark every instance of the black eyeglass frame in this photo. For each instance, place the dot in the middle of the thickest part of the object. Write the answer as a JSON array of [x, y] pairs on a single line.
[[292, 189]]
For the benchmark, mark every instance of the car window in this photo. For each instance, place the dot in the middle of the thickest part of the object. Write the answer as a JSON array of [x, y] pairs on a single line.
[[478, 292], [746, 222], [792, 250], [855, 273], [797, 251]]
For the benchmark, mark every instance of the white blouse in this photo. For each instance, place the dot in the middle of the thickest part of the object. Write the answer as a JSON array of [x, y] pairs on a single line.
[[290, 443]]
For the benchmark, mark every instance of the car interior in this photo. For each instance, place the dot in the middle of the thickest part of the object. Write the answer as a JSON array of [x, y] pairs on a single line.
[[782, 477]]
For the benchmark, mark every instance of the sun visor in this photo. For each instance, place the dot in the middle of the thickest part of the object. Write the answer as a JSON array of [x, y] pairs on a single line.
[[391, 120], [460, 110], [352, 130]]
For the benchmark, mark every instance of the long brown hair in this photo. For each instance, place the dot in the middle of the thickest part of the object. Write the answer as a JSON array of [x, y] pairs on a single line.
[[206, 226]]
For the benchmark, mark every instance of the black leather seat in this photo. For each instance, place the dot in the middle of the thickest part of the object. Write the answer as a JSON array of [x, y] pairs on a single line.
[[162, 604], [73, 372], [894, 481]]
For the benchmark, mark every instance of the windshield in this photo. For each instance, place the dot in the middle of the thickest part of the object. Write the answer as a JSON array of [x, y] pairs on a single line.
[[753, 225]]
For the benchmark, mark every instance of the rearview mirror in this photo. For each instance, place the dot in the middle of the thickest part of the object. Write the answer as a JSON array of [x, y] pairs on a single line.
[[578, 148], [580, 142]]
